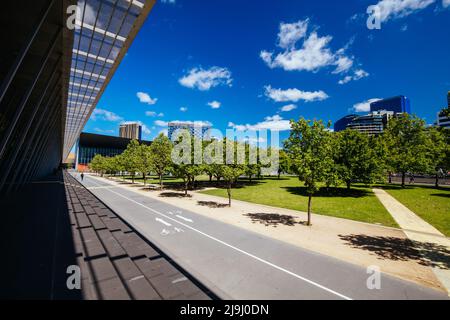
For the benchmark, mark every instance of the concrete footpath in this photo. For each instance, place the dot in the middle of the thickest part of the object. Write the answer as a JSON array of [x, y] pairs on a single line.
[[421, 233]]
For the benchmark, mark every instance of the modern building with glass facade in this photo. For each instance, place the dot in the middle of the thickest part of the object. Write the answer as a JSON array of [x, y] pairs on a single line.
[[399, 104], [371, 124], [91, 144], [198, 130], [342, 123]]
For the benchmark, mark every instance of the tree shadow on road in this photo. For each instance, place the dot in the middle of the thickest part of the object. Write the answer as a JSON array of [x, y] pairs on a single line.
[[398, 249], [273, 219]]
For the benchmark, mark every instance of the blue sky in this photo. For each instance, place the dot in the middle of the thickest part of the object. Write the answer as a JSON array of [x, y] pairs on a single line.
[[257, 64]]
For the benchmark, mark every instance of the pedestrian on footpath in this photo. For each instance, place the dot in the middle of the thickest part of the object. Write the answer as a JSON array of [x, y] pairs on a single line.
[[82, 176]]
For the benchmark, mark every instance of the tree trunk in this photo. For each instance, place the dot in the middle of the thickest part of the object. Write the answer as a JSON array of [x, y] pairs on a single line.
[[437, 181], [186, 186], [349, 185], [279, 175], [145, 179], [390, 177], [309, 210], [160, 182], [132, 178], [403, 179], [250, 177], [210, 178], [229, 194]]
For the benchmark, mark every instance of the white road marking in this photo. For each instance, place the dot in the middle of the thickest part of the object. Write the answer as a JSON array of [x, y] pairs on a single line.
[[178, 229], [163, 222], [165, 232], [170, 212], [184, 218], [237, 249]]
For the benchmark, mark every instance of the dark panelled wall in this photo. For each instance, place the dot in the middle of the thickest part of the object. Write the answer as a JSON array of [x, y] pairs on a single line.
[[34, 74]]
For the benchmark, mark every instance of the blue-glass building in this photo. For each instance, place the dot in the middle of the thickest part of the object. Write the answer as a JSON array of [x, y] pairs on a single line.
[[198, 130], [342, 123], [399, 104]]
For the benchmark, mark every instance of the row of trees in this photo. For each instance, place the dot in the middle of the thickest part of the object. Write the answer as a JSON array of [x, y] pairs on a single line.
[[320, 157], [316, 155]]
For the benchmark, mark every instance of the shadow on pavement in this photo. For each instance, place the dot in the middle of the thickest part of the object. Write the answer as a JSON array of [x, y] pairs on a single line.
[[425, 253], [273, 219], [212, 204]]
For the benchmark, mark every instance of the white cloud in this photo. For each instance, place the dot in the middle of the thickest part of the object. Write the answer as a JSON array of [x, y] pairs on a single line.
[[358, 74], [294, 95], [214, 104], [364, 106], [446, 3], [392, 9], [290, 33], [168, 1], [288, 108], [145, 98], [154, 114], [160, 123], [183, 109], [274, 123], [103, 131], [313, 54], [105, 115], [201, 79]]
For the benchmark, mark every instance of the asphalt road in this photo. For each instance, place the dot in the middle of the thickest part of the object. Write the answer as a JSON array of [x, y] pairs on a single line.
[[239, 264]]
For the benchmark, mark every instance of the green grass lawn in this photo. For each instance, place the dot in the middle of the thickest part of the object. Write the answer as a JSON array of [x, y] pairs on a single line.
[[431, 204], [359, 203]]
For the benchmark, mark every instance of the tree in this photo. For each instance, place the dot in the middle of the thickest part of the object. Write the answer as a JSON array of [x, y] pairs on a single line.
[[406, 142], [160, 150], [131, 158], [230, 173], [284, 163], [97, 164], [309, 146], [437, 152], [355, 158], [144, 161]]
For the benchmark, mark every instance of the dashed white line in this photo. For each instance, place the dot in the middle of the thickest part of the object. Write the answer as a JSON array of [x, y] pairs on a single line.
[[163, 222], [184, 218], [236, 248]]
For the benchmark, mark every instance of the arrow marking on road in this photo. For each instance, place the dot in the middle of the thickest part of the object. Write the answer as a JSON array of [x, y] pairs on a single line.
[[236, 248]]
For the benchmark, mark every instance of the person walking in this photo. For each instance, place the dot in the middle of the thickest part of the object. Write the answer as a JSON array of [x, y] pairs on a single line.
[[82, 176]]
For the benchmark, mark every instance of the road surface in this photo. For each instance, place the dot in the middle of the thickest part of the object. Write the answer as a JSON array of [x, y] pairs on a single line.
[[239, 264]]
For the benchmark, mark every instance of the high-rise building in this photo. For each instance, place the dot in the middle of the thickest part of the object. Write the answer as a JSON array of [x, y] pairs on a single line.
[[443, 119], [199, 130], [373, 123], [131, 130], [341, 124], [443, 116], [399, 104]]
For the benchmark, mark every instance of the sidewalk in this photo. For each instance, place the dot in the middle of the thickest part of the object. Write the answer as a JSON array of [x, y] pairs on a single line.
[[352, 241], [422, 233]]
